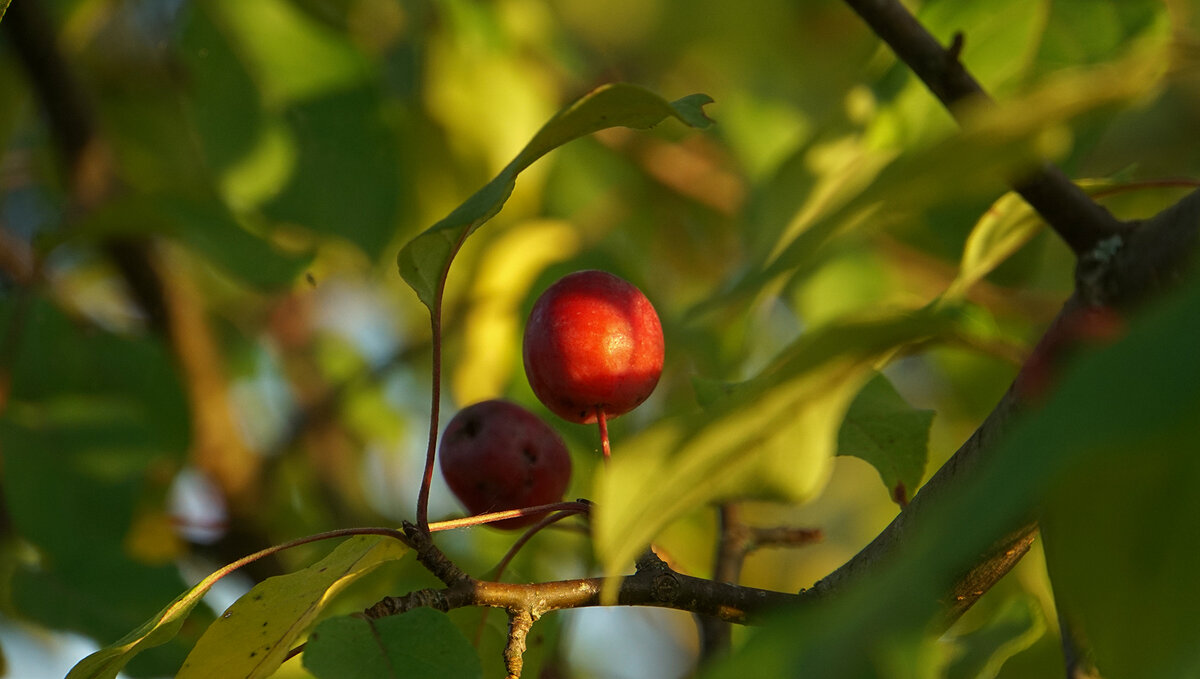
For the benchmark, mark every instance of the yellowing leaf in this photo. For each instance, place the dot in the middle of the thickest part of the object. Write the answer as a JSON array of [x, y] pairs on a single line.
[[1007, 226], [772, 437], [254, 635], [492, 328]]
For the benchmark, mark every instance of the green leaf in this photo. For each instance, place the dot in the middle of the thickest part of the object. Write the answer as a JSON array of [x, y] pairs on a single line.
[[1117, 441], [346, 176], [419, 644], [205, 227], [872, 188], [254, 635], [221, 98], [1014, 628], [883, 429], [424, 261], [90, 414], [292, 56], [771, 437], [1120, 540]]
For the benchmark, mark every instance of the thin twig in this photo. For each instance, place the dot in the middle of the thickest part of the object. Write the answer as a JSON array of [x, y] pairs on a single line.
[[1079, 221], [519, 624], [736, 541]]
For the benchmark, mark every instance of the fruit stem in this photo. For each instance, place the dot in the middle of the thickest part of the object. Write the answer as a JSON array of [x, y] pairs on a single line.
[[603, 422]]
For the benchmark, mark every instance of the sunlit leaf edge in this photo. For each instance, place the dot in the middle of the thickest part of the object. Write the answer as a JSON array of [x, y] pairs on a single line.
[[424, 261], [294, 601]]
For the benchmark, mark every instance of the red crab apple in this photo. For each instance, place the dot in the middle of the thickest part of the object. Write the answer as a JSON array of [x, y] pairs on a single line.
[[593, 347], [497, 456]]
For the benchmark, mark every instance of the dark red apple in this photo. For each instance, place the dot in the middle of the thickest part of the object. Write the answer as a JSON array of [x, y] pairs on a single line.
[[497, 456], [593, 342]]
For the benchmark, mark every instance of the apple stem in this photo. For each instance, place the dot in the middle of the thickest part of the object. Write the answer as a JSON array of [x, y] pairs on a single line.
[[603, 422]]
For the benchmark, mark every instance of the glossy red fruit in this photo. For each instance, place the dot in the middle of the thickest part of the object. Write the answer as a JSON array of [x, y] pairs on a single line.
[[496, 456], [593, 342]]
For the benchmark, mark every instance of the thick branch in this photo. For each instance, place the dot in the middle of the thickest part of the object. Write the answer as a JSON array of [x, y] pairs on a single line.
[[1118, 266], [1121, 272], [1078, 220], [743, 605]]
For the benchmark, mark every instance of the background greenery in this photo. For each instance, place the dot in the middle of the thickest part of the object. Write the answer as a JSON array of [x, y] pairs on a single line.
[[278, 153]]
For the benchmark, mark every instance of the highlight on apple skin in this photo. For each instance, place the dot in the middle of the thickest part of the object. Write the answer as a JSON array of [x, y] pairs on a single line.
[[593, 343]]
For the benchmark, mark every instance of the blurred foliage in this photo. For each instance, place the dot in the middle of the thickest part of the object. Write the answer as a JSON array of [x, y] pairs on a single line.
[[275, 156]]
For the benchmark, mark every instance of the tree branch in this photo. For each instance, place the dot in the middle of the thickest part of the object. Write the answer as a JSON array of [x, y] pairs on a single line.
[[662, 589], [1118, 264], [1075, 217], [653, 584]]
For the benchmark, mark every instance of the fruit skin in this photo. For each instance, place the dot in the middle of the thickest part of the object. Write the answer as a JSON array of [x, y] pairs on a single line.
[[593, 341], [496, 455]]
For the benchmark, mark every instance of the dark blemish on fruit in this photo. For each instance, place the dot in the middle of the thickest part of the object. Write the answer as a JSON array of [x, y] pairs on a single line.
[[530, 454], [470, 428]]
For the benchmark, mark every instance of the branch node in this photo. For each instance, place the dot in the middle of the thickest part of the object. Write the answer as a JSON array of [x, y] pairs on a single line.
[[955, 49], [649, 562], [432, 558], [1093, 271]]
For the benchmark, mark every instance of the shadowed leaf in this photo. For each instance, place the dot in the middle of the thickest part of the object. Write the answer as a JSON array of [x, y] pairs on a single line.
[[883, 429], [420, 644]]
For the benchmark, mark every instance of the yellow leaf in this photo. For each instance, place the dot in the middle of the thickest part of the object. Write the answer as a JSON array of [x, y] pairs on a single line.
[[252, 638]]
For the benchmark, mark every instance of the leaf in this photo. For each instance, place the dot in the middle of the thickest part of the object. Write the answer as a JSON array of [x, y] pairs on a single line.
[[883, 429], [1005, 228], [353, 557], [108, 661], [997, 141], [204, 227], [254, 635], [1014, 628], [771, 437], [346, 177], [424, 260], [1117, 439], [420, 644], [1120, 540], [89, 414]]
